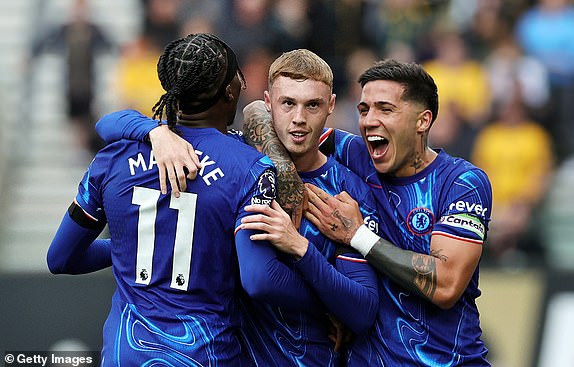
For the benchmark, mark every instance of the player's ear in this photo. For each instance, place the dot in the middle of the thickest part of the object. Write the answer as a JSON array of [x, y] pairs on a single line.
[[228, 96], [424, 121]]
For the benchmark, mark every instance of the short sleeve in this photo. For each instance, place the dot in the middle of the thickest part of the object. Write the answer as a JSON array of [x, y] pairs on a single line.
[[466, 211]]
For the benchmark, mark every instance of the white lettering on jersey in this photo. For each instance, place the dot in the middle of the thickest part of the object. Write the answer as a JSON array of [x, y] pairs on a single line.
[[471, 208], [464, 221], [371, 223], [208, 175], [214, 174], [133, 163]]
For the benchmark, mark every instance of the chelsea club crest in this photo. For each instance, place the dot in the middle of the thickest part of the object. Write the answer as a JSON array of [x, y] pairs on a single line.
[[420, 221]]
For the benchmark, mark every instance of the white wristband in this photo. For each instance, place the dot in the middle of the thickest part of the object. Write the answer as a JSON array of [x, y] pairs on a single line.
[[364, 240]]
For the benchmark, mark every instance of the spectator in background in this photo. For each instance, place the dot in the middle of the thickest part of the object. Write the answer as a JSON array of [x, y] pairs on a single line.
[[452, 132], [81, 41], [255, 69], [246, 25], [136, 84], [291, 24], [460, 79], [345, 115], [161, 22], [509, 69], [406, 22], [546, 32], [516, 153], [489, 22]]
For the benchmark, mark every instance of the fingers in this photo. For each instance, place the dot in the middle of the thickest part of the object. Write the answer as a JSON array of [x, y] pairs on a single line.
[[173, 181], [316, 193], [194, 165], [162, 180], [265, 209], [345, 197], [320, 200]]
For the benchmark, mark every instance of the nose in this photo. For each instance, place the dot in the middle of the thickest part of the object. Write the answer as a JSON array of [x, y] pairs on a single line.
[[370, 120], [299, 116]]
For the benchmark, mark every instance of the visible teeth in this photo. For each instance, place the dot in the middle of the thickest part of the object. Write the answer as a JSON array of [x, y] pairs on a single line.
[[298, 134], [375, 138]]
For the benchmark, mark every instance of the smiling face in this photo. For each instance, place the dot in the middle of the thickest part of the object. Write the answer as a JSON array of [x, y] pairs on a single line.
[[394, 129], [300, 109]]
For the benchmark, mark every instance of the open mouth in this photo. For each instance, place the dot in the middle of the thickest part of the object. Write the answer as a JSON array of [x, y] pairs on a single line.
[[378, 144], [298, 136]]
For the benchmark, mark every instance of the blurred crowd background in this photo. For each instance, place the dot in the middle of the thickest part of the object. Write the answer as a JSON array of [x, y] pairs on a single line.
[[504, 70]]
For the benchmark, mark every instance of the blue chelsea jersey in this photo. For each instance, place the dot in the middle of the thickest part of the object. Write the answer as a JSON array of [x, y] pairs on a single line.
[[174, 259], [450, 197], [279, 336]]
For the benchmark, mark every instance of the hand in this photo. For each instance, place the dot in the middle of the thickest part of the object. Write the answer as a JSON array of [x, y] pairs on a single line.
[[338, 333], [174, 156], [277, 228], [337, 217]]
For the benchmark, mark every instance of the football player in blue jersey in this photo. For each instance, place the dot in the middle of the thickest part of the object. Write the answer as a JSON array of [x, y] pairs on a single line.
[[174, 259], [435, 209], [281, 334], [300, 99]]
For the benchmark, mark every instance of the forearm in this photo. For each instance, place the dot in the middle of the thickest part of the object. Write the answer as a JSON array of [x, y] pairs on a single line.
[[265, 277], [74, 249], [260, 134], [127, 124], [413, 271], [349, 291]]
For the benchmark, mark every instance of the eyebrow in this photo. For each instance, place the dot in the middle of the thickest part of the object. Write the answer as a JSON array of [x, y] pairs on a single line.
[[378, 104], [313, 100]]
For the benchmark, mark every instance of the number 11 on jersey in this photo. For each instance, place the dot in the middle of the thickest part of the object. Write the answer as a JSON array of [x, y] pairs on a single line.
[[185, 205]]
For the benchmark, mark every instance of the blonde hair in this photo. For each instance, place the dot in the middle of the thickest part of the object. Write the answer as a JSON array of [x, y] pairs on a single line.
[[301, 64]]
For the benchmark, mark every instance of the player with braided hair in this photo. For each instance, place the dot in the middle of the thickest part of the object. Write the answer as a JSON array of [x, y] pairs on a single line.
[[173, 258], [190, 85]]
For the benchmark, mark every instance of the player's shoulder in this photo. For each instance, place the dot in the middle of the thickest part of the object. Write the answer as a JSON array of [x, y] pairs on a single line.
[[226, 149], [459, 171]]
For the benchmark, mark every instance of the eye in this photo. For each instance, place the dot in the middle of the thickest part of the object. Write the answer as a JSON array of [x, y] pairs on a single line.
[[313, 105], [362, 110]]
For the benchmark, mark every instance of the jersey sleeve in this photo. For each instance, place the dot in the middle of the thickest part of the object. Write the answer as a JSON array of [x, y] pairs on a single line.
[[263, 274], [466, 211], [75, 249], [349, 290], [88, 199], [125, 124]]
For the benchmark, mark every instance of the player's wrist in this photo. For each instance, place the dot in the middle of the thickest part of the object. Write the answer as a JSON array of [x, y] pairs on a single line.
[[363, 240], [301, 249], [155, 134]]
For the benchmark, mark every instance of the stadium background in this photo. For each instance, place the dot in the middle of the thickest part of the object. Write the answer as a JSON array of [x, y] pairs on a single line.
[[527, 306]]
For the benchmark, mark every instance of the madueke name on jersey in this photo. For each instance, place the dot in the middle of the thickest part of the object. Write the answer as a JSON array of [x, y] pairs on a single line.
[[207, 173]]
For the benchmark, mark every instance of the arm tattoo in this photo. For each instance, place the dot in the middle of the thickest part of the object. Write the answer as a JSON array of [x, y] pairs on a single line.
[[259, 133], [425, 274], [412, 270]]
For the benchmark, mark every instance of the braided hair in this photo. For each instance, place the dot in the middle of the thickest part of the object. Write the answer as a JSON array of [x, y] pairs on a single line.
[[194, 71]]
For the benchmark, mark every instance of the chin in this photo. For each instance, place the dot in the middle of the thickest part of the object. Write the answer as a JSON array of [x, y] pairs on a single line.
[[382, 167]]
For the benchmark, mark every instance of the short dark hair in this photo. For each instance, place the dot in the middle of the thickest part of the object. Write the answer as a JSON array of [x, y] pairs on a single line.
[[419, 85], [194, 71]]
